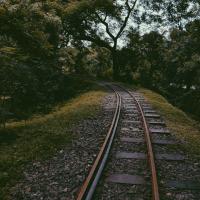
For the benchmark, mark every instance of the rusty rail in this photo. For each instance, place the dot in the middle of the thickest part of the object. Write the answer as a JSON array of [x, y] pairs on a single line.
[[89, 186], [151, 159]]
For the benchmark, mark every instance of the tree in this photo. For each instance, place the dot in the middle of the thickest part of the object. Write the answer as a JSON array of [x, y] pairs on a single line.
[[84, 19], [34, 26], [29, 44], [115, 38], [178, 12], [182, 56], [106, 22]]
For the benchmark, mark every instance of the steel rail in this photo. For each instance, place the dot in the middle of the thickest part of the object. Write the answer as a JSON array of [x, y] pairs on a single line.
[[151, 158], [88, 188]]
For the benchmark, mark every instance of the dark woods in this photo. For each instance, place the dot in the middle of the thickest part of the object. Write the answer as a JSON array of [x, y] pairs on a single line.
[[46, 46], [170, 65]]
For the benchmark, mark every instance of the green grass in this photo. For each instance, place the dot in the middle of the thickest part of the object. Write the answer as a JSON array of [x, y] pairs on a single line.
[[41, 137], [181, 125]]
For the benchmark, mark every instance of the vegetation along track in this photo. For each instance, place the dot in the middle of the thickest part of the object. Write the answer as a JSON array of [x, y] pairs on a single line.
[[136, 128]]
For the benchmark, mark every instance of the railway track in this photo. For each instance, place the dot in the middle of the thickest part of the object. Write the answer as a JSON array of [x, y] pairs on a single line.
[[141, 129]]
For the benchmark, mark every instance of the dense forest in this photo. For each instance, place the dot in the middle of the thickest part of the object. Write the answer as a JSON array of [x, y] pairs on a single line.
[[47, 45]]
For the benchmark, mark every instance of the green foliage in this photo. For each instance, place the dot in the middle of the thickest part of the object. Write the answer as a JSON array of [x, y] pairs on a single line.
[[29, 42], [34, 26], [42, 41], [171, 66], [44, 44]]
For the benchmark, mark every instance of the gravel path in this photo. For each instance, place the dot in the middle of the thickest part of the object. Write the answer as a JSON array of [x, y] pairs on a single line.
[[186, 170], [61, 177], [114, 191]]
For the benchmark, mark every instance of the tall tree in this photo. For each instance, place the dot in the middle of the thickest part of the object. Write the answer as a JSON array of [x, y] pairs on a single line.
[[105, 22], [29, 44], [100, 22]]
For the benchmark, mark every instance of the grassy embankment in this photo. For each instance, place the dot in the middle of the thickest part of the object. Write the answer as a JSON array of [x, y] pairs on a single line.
[[181, 125], [42, 136]]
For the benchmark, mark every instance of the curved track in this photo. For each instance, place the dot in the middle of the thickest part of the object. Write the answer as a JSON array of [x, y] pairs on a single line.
[[89, 186], [134, 109], [151, 159]]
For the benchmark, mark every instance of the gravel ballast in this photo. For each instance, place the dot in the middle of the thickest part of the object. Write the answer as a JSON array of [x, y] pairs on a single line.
[[61, 176]]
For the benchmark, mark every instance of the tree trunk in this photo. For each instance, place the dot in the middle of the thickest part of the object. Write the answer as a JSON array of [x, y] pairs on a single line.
[[116, 69]]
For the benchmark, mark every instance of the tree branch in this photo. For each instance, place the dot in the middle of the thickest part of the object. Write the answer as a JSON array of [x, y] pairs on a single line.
[[106, 25], [100, 42], [97, 41], [130, 9]]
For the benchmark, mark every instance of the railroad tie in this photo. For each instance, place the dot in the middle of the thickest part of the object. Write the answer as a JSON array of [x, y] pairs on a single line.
[[139, 155], [161, 123], [159, 131], [184, 185], [154, 141], [126, 179], [152, 115]]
